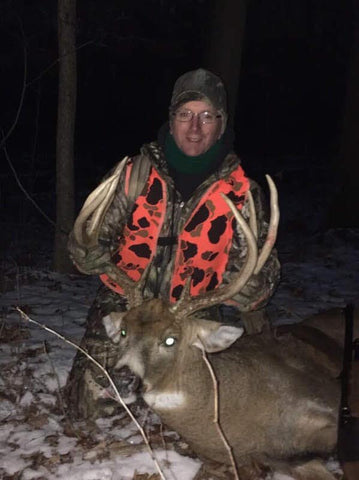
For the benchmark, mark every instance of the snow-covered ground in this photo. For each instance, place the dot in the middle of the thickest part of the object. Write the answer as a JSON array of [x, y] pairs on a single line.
[[37, 441]]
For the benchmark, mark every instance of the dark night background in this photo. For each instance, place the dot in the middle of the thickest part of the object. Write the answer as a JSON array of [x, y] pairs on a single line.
[[289, 113]]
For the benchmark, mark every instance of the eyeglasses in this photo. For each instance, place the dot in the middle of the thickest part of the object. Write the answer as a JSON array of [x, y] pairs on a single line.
[[188, 115]]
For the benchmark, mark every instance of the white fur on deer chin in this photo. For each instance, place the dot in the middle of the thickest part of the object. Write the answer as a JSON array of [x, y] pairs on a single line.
[[165, 400]]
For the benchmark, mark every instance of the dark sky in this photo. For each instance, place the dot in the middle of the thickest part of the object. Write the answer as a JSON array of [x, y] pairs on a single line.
[[292, 87]]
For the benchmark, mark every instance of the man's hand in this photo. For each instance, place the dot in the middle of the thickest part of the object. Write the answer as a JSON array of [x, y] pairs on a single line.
[[93, 260]]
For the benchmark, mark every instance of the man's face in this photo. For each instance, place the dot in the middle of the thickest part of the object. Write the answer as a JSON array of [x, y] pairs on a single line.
[[194, 137]]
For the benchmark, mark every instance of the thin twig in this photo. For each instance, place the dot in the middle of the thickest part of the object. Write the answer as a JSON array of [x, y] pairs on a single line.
[[22, 188], [12, 128], [216, 411], [37, 122], [59, 396], [56, 61], [21, 101], [118, 396]]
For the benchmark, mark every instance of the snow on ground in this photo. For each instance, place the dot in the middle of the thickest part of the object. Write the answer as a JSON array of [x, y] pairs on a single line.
[[36, 440], [319, 272]]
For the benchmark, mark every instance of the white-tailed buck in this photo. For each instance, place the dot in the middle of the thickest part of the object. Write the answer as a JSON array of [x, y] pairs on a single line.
[[278, 396]]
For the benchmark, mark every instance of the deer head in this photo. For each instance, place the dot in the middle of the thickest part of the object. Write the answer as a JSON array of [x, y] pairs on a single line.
[[155, 341]]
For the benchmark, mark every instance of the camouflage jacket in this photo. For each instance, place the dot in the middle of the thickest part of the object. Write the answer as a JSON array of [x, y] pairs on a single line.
[[252, 297]]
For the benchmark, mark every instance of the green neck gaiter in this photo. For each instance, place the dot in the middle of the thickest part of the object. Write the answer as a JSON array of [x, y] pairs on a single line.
[[186, 164]]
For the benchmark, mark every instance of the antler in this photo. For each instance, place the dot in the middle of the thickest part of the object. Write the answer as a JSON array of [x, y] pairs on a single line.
[[133, 291], [272, 228], [253, 263], [86, 227], [86, 232]]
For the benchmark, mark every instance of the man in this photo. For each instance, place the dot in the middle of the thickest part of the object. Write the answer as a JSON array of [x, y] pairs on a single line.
[[167, 218]]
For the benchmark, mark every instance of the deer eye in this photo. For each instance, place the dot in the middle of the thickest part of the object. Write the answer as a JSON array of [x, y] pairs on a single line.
[[169, 341], [123, 332]]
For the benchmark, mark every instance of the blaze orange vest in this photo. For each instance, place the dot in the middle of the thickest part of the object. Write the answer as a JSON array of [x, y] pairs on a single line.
[[203, 243]]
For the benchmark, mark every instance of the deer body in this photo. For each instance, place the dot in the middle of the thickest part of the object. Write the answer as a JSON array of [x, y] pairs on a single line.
[[275, 402], [278, 398]]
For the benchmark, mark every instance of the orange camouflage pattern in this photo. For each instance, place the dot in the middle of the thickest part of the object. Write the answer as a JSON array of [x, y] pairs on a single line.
[[203, 244]]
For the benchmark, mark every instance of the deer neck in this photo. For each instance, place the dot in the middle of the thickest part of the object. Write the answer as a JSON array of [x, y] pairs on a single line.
[[186, 384]]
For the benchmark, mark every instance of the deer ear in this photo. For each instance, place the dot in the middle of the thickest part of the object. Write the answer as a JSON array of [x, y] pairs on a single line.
[[112, 324], [214, 337]]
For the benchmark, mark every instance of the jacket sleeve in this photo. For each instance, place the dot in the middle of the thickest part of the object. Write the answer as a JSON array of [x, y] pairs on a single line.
[[260, 287], [94, 260]]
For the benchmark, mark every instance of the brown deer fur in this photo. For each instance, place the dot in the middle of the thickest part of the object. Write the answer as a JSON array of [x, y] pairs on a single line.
[[278, 401]]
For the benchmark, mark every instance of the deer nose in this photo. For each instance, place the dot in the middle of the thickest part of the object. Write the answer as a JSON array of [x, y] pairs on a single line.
[[126, 381]]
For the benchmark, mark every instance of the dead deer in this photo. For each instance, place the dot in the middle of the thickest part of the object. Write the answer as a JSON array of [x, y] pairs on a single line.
[[278, 399]]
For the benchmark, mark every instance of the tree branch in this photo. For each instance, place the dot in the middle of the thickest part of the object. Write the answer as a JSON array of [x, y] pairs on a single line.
[[104, 371], [22, 188], [22, 96], [216, 411]]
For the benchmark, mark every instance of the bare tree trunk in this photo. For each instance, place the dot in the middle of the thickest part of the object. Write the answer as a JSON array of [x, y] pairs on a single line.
[[65, 132], [345, 210], [225, 49]]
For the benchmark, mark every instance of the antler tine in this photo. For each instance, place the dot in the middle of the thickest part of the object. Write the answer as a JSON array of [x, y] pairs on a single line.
[[184, 299], [253, 263], [252, 215], [188, 305], [272, 228], [133, 290], [85, 228]]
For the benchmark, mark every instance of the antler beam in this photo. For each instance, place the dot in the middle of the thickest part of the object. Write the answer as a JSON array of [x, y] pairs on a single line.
[[87, 224], [86, 232], [253, 263]]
